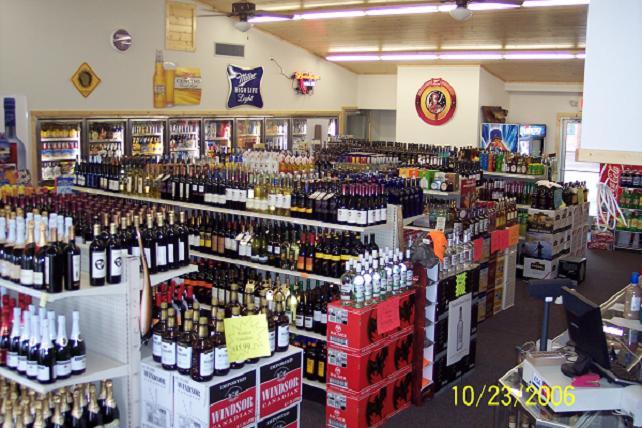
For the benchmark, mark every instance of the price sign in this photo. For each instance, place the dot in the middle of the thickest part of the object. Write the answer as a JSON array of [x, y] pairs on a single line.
[[513, 235], [460, 287], [388, 315], [247, 337]]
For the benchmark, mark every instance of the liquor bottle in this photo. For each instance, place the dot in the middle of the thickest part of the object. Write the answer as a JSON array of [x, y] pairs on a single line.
[[27, 262], [111, 415], [46, 357], [282, 328], [72, 262], [157, 334], [202, 354], [184, 345], [221, 362], [271, 324], [23, 350], [14, 341], [63, 351], [161, 245], [168, 346], [172, 243], [310, 359], [97, 259], [114, 251], [34, 345], [77, 343], [54, 264], [321, 358], [323, 326], [94, 416]]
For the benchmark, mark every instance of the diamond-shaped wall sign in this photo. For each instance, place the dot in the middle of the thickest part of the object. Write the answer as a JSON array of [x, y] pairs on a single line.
[[85, 80]]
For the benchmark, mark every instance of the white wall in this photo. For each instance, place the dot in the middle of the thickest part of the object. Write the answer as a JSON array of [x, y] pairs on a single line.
[[492, 90], [612, 120], [383, 125], [43, 42], [377, 91], [542, 107], [462, 129]]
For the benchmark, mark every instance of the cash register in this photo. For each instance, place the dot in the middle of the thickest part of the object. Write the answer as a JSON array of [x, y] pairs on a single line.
[[614, 389]]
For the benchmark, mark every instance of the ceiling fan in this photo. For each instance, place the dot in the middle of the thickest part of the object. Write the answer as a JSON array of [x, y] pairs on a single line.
[[245, 10], [462, 13]]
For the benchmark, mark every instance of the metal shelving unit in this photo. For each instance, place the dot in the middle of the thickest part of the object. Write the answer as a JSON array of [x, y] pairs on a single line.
[[509, 176]]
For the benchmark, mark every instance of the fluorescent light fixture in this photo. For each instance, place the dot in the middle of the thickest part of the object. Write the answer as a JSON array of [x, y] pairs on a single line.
[[447, 7], [549, 3], [264, 19], [539, 55], [406, 48], [470, 56], [315, 4], [580, 56], [469, 47], [333, 14], [491, 6], [538, 46], [409, 57], [352, 49], [401, 10], [349, 58]]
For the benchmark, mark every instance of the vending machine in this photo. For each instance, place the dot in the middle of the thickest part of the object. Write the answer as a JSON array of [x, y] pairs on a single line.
[[531, 139]]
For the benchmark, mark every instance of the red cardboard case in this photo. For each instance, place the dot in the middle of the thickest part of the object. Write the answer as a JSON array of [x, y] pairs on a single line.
[[280, 384]]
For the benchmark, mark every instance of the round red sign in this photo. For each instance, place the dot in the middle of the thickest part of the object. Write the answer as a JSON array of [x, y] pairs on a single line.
[[436, 102]]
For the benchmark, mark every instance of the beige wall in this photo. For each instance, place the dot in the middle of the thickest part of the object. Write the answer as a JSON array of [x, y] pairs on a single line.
[[377, 92], [543, 107], [462, 129], [43, 42]]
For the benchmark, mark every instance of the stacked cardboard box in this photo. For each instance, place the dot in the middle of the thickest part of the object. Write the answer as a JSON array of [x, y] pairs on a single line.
[[267, 393], [369, 374]]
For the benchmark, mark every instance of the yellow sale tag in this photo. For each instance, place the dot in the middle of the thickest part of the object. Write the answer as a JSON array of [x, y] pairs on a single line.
[[247, 337]]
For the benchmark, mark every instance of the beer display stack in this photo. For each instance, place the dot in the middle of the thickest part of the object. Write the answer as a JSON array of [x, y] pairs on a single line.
[[370, 354], [557, 230]]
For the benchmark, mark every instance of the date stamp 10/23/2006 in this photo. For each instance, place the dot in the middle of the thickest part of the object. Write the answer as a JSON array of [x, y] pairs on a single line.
[[498, 395]]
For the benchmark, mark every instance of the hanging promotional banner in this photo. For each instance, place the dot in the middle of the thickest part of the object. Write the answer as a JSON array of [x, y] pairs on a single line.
[[436, 102], [459, 317], [175, 86], [245, 86], [499, 136]]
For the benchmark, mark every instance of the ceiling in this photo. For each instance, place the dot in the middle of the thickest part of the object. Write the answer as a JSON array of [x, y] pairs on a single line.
[[544, 28]]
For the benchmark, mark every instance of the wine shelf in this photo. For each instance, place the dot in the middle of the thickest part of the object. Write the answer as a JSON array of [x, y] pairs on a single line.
[[85, 290], [514, 176], [159, 278], [267, 268], [313, 383], [305, 333], [189, 205], [439, 193], [98, 368]]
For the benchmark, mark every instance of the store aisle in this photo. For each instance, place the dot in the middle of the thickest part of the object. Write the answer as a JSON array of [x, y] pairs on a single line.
[[607, 272]]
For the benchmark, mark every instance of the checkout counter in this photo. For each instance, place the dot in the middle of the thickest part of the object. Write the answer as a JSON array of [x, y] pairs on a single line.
[[578, 407]]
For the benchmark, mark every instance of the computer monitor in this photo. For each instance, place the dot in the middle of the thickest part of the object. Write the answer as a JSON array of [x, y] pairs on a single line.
[[584, 320]]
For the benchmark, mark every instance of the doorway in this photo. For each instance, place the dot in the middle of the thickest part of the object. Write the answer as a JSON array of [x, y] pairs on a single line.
[[570, 169]]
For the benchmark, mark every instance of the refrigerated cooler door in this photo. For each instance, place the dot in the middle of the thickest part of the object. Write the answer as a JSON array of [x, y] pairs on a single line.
[[248, 133], [58, 147], [105, 138], [147, 137], [217, 135], [276, 134], [184, 138]]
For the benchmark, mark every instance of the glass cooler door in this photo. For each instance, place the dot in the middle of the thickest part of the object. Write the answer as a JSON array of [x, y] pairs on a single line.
[[147, 137], [248, 133], [184, 138], [58, 147], [276, 134], [217, 135], [105, 138]]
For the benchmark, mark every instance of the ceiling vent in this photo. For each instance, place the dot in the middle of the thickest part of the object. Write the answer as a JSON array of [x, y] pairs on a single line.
[[226, 49]]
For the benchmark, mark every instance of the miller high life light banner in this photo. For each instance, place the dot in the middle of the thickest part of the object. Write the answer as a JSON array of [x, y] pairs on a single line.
[[245, 86]]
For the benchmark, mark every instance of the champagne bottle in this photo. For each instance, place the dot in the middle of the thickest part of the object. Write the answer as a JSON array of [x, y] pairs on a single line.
[[111, 415], [94, 416], [46, 357], [14, 341], [63, 351], [23, 351], [27, 262], [78, 351], [34, 347]]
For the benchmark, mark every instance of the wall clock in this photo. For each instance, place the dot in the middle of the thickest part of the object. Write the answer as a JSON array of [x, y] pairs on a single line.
[[121, 40]]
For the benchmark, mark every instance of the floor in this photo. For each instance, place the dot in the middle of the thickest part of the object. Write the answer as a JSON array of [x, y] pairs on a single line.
[[607, 273]]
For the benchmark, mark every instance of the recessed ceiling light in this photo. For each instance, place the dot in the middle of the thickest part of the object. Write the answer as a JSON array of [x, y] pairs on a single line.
[[343, 58], [549, 3], [409, 57]]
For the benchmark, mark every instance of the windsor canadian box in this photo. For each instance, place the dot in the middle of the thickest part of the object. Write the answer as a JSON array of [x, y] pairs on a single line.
[[356, 328], [280, 382], [368, 408], [288, 418], [156, 391]]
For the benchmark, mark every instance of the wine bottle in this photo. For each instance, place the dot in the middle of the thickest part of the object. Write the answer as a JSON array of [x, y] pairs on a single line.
[[72, 262], [172, 243], [149, 244], [46, 357], [183, 241], [161, 245], [18, 249], [202, 354], [14, 341], [54, 264], [8, 248], [114, 251], [23, 350], [97, 259], [78, 351], [168, 346], [27, 262], [282, 327], [39, 259], [34, 345], [63, 351]]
